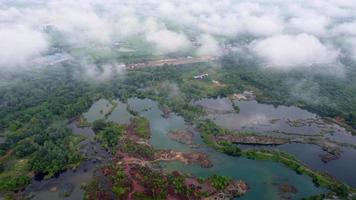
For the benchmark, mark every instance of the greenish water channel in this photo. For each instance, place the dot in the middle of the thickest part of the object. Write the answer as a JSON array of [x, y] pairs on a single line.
[[283, 121], [263, 177]]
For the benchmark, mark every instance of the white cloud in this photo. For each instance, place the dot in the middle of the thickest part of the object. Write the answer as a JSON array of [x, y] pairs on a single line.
[[209, 46], [263, 25], [343, 3], [347, 28], [313, 24], [19, 44], [167, 41], [167, 24], [167, 8], [82, 26], [352, 50], [289, 51], [100, 73], [128, 26]]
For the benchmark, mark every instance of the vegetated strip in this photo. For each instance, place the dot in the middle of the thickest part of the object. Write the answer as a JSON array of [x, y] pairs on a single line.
[[209, 130]]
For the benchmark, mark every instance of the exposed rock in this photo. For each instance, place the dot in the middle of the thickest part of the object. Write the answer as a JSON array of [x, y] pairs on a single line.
[[332, 149], [66, 189], [166, 111], [328, 157], [53, 189], [252, 139], [237, 188], [217, 83], [184, 137], [234, 189], [285, 188], [245, 96], [185, 157]]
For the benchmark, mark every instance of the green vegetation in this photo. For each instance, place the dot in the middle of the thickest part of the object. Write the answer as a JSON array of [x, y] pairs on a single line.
[[15, 175], [108, 133], [219, 182], [320, 179], [82, 122], [52, 152], [51, 158], [160, 185], [229, 148], [137, 150], [208, 129], [328, 96], [36, 107], [113, 136], [141, 127], [14, 183], [120, 182], [236, 108], [154, 182], [93, 190]]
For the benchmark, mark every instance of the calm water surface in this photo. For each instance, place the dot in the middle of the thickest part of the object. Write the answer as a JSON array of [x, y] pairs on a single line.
[[262, 176], [268, 119]]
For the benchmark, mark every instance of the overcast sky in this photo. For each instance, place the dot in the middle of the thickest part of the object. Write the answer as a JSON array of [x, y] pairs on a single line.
[[286, 34]]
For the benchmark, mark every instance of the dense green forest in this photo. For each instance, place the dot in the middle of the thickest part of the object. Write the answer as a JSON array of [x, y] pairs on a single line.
[[35, 110]]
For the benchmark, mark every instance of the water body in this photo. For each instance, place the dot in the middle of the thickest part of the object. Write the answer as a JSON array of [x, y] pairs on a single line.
[[120, 114], [261, 118], [343, 169], [2, 139], [284, 120], [160, 126], [98, 110], [103, 109], [70, 182], [262, 176]]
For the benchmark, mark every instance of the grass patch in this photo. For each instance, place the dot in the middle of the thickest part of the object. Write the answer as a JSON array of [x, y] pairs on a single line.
[[15, 175], [142, 127]]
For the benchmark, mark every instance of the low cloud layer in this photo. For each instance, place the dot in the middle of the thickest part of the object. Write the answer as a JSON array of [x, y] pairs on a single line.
[[209, 46], [285, 51], [284, 34], [167, 41], [19, 44]]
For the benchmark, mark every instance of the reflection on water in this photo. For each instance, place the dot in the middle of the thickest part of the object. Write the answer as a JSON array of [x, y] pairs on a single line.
[[98, 110], [67, 183], [343, 169], [2, 139], [262, 176], [264, 118], [120, 114], [268, 119], [159, 125]]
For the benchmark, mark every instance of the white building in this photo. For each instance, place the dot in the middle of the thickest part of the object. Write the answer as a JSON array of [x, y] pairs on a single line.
[[201, 76]]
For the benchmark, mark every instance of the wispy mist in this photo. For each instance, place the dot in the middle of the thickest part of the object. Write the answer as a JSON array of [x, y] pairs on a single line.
[[285, 34]]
